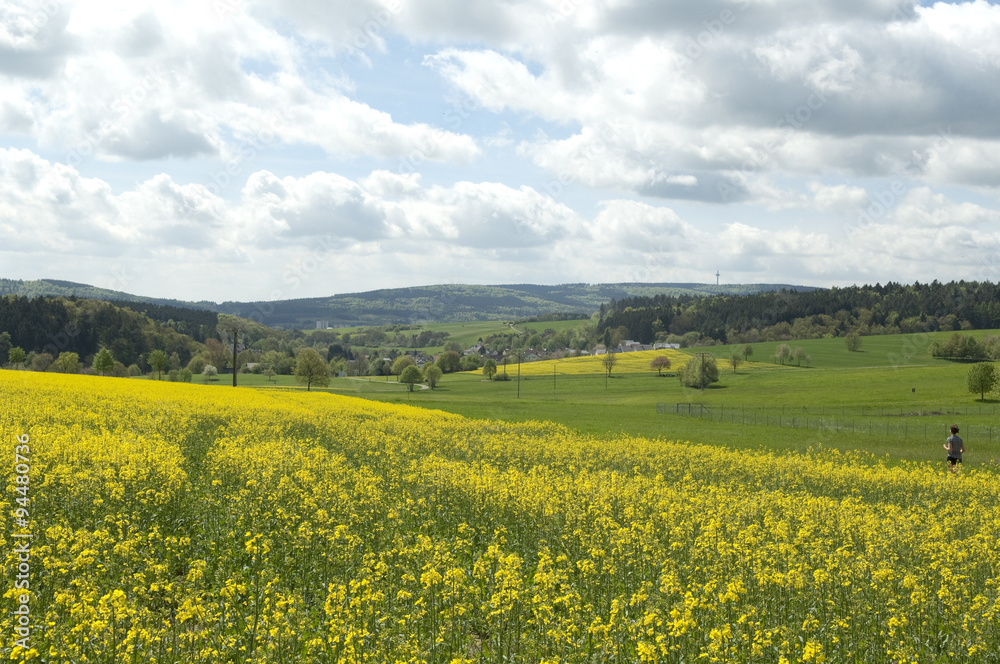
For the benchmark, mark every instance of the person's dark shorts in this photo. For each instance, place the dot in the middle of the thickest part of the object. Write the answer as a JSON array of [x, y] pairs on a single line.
[[953, 460]]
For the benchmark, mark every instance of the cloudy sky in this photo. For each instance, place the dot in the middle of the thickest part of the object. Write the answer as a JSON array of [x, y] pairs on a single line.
[[265, 149]]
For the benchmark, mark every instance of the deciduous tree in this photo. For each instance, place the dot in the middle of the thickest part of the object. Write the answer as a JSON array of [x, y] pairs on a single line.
[[68, 362], [735, 360], [310, 369], [700, 371], [609, 360], [449, 361], [470, 362], [5, 347], [411, 375], [16, 356], [660, 362], [432, 374], [104, 362], [982, 378], [782, 353], [41, 362], [489, 369], [401, 363], [158, 361]]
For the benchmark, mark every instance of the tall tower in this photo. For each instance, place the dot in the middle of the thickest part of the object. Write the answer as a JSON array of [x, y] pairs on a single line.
[[716, 277]]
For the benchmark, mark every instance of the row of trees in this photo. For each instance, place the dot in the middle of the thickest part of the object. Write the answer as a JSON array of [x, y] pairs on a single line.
[[311, 369], [786, 315], [56, 325], [399, 336], [967, 347]]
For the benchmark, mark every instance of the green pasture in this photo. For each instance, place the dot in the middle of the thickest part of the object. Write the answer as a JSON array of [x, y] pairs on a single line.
[[891, 399], [897, 350], [868, 400]]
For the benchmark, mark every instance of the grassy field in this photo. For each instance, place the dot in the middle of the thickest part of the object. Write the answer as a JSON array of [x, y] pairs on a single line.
[[891, 398], [867, 400], [894, 350]]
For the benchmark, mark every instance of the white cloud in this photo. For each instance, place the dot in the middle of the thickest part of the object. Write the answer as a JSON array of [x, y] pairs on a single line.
[[580, 139], [281, 210], [154, 81], [922, 208], [642, 227]]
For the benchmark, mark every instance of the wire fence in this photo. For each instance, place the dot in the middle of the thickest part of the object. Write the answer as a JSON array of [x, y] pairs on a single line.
[[908, 424]]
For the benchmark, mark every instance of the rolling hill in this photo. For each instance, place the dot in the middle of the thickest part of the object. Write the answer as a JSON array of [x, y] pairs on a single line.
[[418, 304]]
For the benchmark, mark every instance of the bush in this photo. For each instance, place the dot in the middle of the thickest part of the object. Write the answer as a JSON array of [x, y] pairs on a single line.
[[470, 362], [197, 364], [185, 376], [449, 361], [959, 347], [41, 362], [700, 372]]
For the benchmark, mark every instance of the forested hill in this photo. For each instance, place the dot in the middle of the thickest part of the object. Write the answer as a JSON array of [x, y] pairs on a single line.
[[784, 314], [58, 288], [420, 304], [57, 324], [463, 302]]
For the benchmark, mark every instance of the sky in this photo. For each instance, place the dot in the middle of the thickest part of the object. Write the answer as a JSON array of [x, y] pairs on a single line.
[[262, 149]]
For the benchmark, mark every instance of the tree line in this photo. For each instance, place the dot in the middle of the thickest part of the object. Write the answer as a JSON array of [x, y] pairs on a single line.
[[50, 326], [789, 314]]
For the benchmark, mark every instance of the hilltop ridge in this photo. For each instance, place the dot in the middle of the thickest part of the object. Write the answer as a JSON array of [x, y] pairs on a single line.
[[442, 303]]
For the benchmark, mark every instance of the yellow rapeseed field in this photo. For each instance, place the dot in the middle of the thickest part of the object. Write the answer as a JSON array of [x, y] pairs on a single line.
[[182, 523]]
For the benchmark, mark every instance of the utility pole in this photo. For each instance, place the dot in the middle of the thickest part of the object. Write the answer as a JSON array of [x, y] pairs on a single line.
[[701, 382], [518, 374], [236, 335]]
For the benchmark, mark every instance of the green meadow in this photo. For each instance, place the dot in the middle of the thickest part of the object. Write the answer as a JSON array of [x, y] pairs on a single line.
[[891, 399], [876, 351]]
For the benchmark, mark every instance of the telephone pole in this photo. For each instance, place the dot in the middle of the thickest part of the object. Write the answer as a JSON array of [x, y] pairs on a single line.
[[701, 382]]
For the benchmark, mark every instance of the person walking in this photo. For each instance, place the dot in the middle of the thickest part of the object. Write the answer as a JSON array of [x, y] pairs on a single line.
[[955, 447]]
